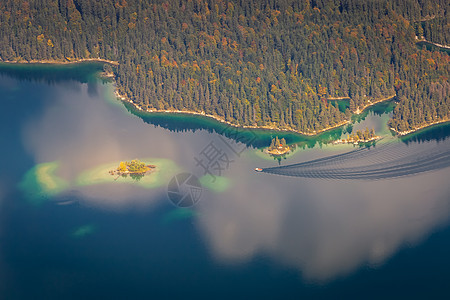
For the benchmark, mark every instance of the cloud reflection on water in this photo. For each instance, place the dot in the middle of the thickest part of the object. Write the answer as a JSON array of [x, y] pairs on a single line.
[[81, 131], [325, 228]]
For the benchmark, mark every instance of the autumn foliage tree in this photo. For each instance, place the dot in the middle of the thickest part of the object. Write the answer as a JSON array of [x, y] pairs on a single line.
[[265, 63]]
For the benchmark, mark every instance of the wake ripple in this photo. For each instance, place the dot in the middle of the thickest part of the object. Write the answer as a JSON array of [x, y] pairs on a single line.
[[381, 162]]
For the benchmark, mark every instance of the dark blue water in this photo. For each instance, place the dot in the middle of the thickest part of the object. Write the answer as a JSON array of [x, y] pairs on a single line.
[[251, 235]]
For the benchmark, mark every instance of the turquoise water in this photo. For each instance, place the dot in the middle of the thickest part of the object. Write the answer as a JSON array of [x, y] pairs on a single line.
[[251, 235]]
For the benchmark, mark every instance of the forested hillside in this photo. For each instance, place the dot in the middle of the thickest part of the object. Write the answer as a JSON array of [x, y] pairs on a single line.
[[253, 62]]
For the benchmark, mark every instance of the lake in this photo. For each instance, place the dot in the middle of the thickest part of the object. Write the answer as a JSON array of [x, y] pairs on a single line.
[[69, 230]]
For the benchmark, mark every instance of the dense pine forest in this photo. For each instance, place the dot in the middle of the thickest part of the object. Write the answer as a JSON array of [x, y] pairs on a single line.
[[253, 62]]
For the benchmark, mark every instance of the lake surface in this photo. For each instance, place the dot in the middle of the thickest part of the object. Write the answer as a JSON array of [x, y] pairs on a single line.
[[66, 233]]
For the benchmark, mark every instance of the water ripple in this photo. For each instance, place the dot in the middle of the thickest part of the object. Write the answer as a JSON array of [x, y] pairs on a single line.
[[389, 160]]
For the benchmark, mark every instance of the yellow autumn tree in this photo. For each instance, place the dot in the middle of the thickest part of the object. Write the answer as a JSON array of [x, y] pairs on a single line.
[[122, 167]]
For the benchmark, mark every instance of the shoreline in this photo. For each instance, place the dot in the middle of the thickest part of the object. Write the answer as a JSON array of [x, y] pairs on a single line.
[[59, 62], [277, 152], [431, 43], [406, 132], [337, 98], [359, 111], [266, 127], [356, 142], [150, 169], [99, 174], [219, 119]]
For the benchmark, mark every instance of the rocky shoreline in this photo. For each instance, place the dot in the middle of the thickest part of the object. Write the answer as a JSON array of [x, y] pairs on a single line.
[[358, 141], [217, 118], [403, 133], [58, 62], [371, 103]]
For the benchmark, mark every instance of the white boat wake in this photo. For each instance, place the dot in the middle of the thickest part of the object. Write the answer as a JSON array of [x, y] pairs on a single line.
[[385, 161]]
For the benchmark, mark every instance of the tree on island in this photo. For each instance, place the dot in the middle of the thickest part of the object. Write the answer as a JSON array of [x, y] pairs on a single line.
[[278, 145], [272, 144], [122, 167], [135, 166], [361, 136]]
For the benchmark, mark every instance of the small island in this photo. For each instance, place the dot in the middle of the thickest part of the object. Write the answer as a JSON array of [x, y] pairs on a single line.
[[278, 147], [359, 137], [136, 169]]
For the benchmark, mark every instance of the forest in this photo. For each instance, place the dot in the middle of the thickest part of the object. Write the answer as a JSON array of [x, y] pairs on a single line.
[[254, 62]]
